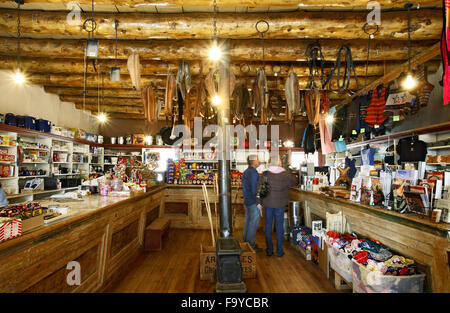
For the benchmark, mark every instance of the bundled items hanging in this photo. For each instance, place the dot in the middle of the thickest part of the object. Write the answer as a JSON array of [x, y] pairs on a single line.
[[260, 94], [151, 106], [292, 96], [184, 79], [170, 93], [134, 68], [240, 101], [445, 45]]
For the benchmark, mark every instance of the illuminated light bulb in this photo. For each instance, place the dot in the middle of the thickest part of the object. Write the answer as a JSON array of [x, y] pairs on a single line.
[[214, 53], [216, 100], [329, 119], [101, 118], [409, 82], [148, 140], [19, 78], [289, 144]]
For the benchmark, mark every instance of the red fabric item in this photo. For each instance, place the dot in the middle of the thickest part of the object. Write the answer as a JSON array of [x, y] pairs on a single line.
[[361, 257], [332, 234], [446, 74], [374, 115]]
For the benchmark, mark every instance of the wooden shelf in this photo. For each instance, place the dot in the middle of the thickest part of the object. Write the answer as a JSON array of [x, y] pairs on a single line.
[[404, 134], [36, 176], [9, 178], [439, 147]]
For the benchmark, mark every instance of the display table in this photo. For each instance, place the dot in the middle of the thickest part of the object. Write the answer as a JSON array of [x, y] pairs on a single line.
[[103, 236], [414, 237]]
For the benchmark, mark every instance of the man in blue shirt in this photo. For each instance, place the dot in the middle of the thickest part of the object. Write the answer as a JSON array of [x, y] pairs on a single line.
[[252, 212]]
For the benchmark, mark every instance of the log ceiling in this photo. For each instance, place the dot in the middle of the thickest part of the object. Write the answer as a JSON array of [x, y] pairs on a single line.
[[164, 32]]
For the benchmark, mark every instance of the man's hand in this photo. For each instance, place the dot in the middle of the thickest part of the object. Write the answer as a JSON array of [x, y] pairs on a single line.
[[260, 208]]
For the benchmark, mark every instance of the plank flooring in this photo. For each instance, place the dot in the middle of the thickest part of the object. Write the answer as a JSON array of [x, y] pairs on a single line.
[[175, 269]]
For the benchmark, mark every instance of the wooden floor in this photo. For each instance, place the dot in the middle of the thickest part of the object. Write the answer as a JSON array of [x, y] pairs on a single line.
[[176, 269]]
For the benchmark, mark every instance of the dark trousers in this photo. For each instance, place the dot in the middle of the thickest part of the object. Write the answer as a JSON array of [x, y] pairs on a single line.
[[278, 213]]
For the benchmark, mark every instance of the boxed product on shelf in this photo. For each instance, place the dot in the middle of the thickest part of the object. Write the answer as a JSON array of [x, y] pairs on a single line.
[[90, 137], [10, 228], [7, 157], [4, 140]]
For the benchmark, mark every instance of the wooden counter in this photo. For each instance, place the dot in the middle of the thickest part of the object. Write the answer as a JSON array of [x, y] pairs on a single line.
[[104, 235], [407, 234]]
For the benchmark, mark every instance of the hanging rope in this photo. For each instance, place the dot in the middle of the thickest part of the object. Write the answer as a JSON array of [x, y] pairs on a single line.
[[371, 35], [346, 52], [315, 60]]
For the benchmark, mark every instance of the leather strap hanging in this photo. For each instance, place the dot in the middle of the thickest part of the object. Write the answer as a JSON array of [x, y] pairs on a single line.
[[169, 94], [312, 103], [346, 52]]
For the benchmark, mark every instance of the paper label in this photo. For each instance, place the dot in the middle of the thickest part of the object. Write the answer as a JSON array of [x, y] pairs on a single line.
[[396, 118], [354, 132], [362, 130], [376, 126]]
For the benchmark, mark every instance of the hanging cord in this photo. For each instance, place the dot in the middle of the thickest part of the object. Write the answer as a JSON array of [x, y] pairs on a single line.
[[371, 35], [346, 52], [103, 91], [84, 82], [18, 34], [215, 21], [408, 6], [116, 25], [98, 93]]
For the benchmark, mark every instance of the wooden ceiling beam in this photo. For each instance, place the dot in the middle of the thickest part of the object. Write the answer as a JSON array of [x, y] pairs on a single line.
[[76, 66], [240, 50], [107, 101], [111, 108], [247, 3], [425, 23], [94, 80]]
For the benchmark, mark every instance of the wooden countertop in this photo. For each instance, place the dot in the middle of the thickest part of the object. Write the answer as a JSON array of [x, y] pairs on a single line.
[[407, 219], [89, 206]]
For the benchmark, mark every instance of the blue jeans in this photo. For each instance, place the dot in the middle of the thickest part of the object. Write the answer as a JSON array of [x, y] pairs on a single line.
[[251, 224], [279, 227]]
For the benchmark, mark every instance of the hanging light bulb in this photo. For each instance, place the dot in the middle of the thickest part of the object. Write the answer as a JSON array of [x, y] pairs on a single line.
[[329, 119], [409, 82], [216, 100], [215, 53], [18, 77], [102, 118]]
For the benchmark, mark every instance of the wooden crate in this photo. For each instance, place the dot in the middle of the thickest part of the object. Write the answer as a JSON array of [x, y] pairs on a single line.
[[208, 260]]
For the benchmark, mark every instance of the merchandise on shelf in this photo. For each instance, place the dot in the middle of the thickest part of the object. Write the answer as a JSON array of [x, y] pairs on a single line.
[[301, 235]]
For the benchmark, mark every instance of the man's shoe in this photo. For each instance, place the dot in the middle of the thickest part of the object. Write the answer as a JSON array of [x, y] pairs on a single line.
[[280, 255], [269, 254], [258, 249]]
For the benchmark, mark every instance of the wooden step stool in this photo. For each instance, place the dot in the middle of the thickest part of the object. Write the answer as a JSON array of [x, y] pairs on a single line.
[[154, 234]]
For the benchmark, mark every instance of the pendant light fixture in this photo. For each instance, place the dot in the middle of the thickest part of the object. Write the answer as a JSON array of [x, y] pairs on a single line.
[[18, 76], [115, 71], [409, 82], [214, 52], [101, 116], [91, 43]]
